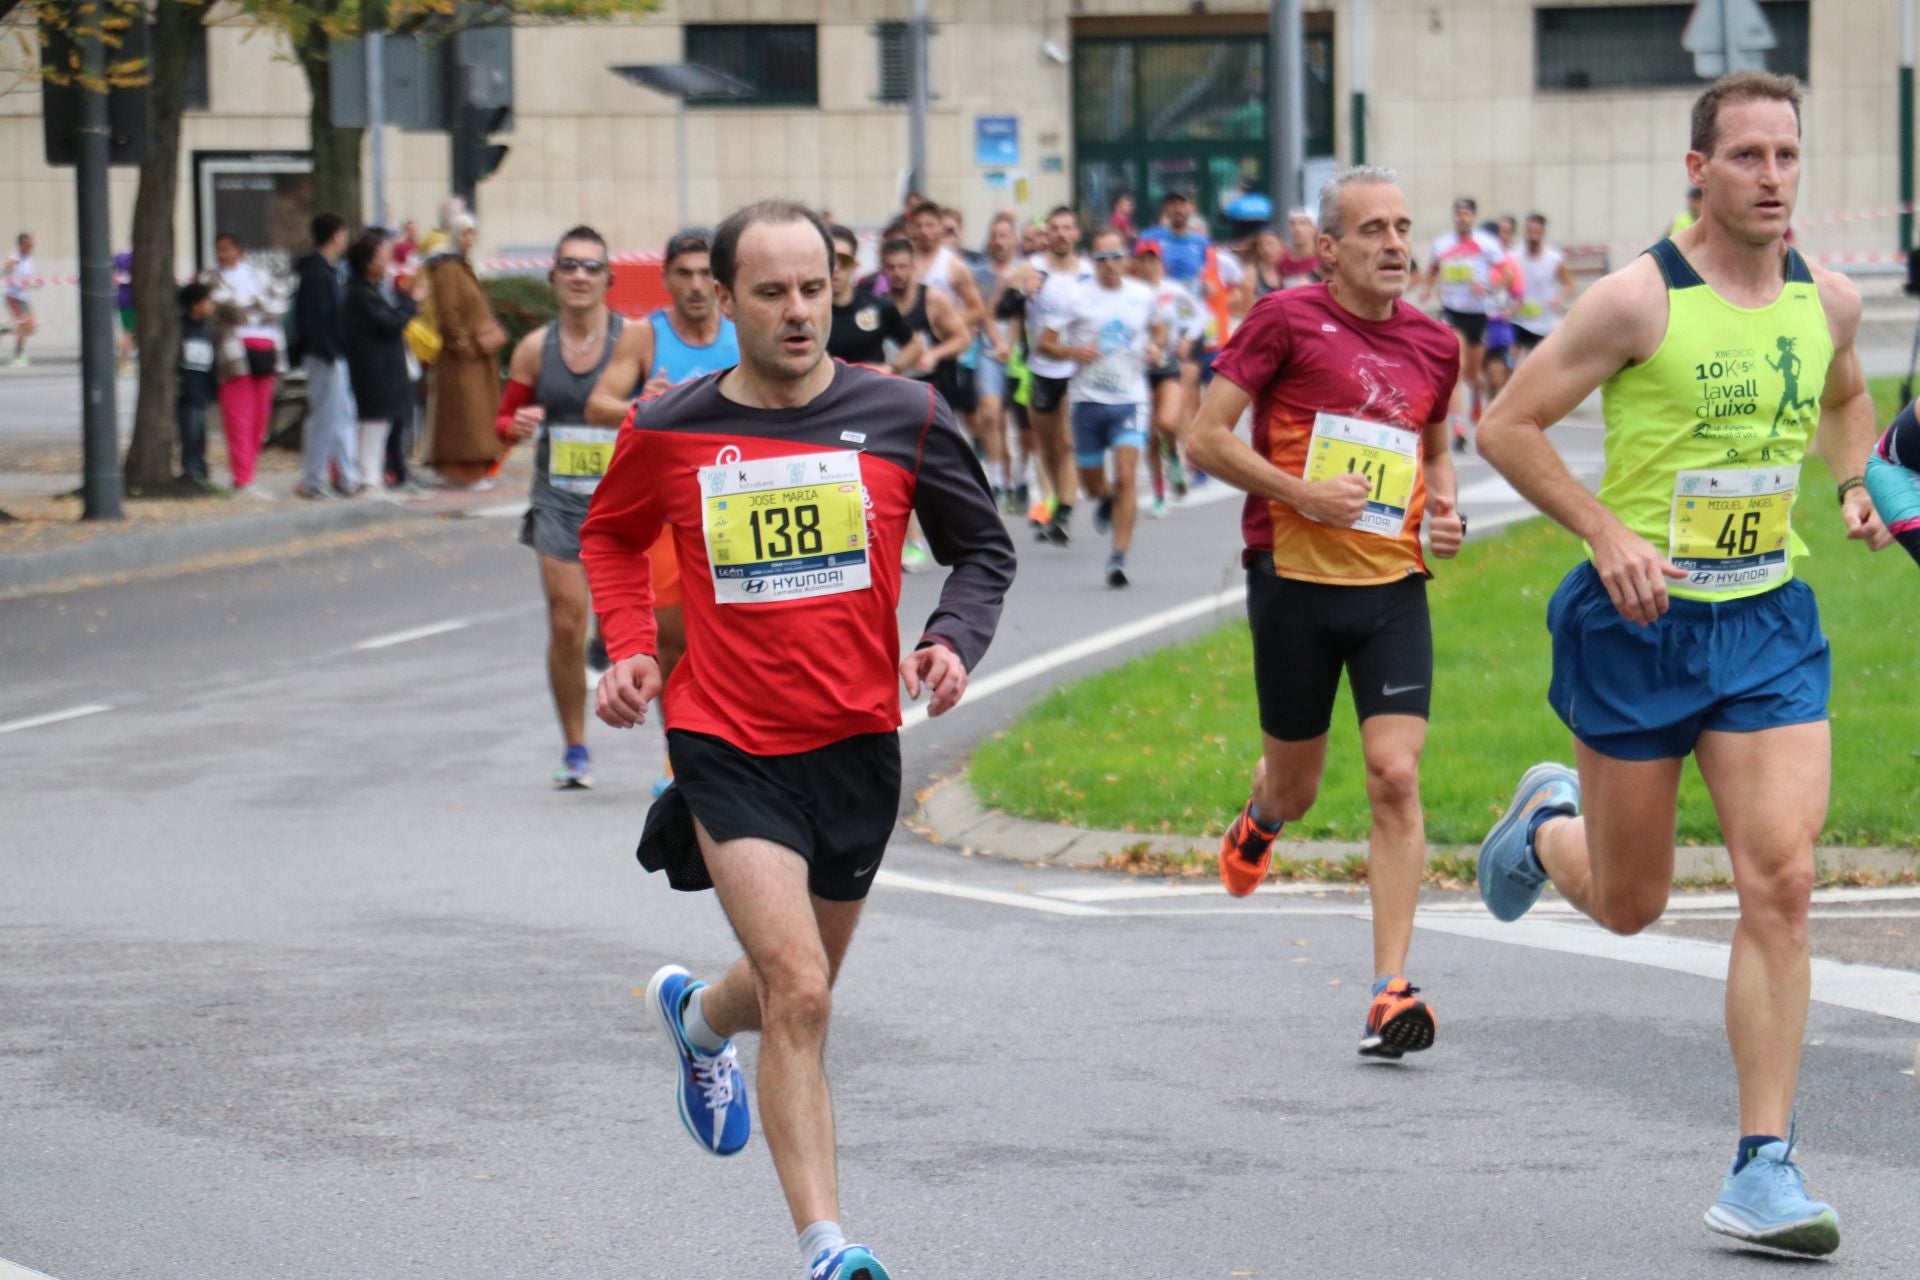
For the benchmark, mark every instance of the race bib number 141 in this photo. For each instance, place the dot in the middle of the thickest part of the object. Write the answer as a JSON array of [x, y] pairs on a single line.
[[1387, 457], [785, 528]]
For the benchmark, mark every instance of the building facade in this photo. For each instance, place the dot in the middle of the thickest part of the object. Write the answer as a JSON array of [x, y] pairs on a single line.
[[1578, 111]]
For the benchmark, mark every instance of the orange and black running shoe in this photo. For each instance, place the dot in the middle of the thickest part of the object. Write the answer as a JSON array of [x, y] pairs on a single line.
[[1397, 1023], [1245, 854]]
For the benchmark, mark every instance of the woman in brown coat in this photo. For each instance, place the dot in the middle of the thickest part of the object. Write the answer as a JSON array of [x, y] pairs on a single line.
[[466, 376]]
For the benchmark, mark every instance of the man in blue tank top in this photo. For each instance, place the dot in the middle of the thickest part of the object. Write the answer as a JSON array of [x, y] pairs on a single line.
[[684, 340]]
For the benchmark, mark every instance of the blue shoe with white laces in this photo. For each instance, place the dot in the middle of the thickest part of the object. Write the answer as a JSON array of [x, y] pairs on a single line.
[[709, 1088], [848, 1262], [1510, 876], [1766, 1204]]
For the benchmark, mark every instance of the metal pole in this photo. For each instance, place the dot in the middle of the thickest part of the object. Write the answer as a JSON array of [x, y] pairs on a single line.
[[1357, 75], [376, 60], [102, 486], [1286, 100], [680, 162], [917, 97], [1906, 124]]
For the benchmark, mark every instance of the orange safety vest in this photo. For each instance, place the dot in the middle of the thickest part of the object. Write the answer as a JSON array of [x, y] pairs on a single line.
[[1220, 319]]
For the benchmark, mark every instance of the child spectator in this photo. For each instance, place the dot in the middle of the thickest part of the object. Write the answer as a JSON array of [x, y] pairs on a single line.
[[197, 386]]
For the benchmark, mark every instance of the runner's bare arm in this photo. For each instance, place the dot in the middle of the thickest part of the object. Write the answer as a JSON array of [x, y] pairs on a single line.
[[1445, 528], [908, 357], [973, 309], [1564, 278], [518, 419], [1158, 343], [1212, 446], [1848, 429], [613, 393], [949, 329], [1619, 321]]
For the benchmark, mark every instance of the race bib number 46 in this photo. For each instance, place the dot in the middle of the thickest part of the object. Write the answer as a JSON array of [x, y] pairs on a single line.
[[1730, 529], [1388, 457], [577, 456], [785, 528]]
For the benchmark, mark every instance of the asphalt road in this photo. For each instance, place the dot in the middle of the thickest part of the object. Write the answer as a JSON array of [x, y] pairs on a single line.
[[304, 971]]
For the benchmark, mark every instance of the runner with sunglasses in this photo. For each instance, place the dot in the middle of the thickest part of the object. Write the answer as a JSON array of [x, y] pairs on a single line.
[[545, 399]]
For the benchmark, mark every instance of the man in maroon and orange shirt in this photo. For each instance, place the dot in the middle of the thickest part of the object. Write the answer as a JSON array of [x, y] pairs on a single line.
[[785, 483], [1349, 389]]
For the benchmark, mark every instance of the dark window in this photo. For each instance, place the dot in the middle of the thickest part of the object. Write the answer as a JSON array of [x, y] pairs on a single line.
[[890, 44], [780, 60], [1637, 46], [199, 96]]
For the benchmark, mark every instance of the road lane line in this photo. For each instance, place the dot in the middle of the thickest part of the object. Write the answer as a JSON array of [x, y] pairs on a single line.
[[1133, 892], [995, 897], [55, 717], [14, 1271], [412, 634], [1891, 993], [1113, 637]]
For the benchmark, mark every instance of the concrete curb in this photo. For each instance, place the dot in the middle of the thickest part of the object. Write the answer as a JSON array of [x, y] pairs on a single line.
[[949, 814], [161, 550]]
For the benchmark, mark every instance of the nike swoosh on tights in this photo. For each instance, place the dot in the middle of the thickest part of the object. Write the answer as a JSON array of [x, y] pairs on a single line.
[[1394, 691]]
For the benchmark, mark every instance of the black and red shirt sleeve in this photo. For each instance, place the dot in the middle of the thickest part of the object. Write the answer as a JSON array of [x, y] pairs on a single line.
[[955, 505]]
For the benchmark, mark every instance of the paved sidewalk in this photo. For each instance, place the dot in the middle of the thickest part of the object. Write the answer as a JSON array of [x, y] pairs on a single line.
[[950, 814]]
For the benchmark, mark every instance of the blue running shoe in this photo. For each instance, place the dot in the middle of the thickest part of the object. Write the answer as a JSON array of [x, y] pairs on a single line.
[[575, 772], [710, 1090], [1510, 877], [848, 1262], [1766, 1204]]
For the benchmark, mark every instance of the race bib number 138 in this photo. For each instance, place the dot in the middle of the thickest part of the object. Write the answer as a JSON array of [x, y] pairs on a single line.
[[785, 528]]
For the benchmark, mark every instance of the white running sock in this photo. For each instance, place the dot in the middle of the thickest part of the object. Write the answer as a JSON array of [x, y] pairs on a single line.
[[818, 1238], [703, 1037]]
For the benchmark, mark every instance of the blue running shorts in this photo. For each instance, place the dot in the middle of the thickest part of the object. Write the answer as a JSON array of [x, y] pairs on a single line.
[[1637, 692], [1099, 427]]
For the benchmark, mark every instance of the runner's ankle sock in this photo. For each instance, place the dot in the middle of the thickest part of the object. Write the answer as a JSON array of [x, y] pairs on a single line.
[[699, 1034], [1748, 1145], [1062, 512], [1533, 829], [818, 1238], [1265, 828], [1380, 984]]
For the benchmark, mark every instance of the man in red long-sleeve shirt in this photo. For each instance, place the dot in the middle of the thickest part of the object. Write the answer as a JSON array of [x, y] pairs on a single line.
[[786, 483]]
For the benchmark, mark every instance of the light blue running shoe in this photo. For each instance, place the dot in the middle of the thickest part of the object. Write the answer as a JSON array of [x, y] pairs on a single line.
[[848, 1262], [1766, 1204], [709, 1088], [1510, 877]]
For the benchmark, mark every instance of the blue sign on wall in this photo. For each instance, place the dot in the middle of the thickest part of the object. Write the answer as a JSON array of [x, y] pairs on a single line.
[[996, 141]]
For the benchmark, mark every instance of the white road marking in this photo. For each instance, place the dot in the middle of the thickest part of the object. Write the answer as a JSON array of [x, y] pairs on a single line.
[[1891, 993], [14, 1271], [996, 897], [1138, 891], [1052, 659], [54, 717], [504, 511], [412, 634]]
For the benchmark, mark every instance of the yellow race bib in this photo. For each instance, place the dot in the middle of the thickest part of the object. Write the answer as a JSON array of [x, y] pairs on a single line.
[[785, 528], [1389, 457], [577, 456], [1457, 272], [1731, 529]]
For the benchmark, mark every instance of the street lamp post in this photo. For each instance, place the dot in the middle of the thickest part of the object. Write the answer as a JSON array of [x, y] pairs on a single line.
[[680, 81]]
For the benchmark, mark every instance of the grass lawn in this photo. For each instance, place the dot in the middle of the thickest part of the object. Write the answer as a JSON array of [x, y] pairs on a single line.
[[1166, 743]]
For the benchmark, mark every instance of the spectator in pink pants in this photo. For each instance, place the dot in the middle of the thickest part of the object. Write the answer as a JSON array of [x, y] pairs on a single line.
[[248, 304]]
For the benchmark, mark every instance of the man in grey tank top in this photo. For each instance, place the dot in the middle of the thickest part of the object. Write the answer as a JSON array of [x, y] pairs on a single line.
[[551, 375]]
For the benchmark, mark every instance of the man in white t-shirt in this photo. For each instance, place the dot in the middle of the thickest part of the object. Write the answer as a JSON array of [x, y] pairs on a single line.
[[1110, 327], [18, 274], [1548, 284], [1461, 264], [1049, 282]]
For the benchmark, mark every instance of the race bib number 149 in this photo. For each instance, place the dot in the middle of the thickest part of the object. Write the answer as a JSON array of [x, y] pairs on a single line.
[[785, 528]]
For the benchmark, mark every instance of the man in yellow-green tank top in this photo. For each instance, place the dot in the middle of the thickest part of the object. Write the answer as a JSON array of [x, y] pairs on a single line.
[[1722, 357]]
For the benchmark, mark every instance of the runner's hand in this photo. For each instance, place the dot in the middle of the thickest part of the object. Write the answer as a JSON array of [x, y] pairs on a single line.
[[626, 690], [526, 420], [1445, 528], [926, 363], [1338, 500], [1085, 354], [656, 384], [1863, 522], [1001, 350], [940, 670], [1634, 574]]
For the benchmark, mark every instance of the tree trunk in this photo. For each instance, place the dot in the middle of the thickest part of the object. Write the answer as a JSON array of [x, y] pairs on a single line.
[[336, 152], [149, 465]]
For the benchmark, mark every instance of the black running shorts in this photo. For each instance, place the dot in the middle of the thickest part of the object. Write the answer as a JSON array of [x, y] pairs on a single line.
[[1048, 394], [1526, 340], [1472, 325], [1306, 633], [835, 807]]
